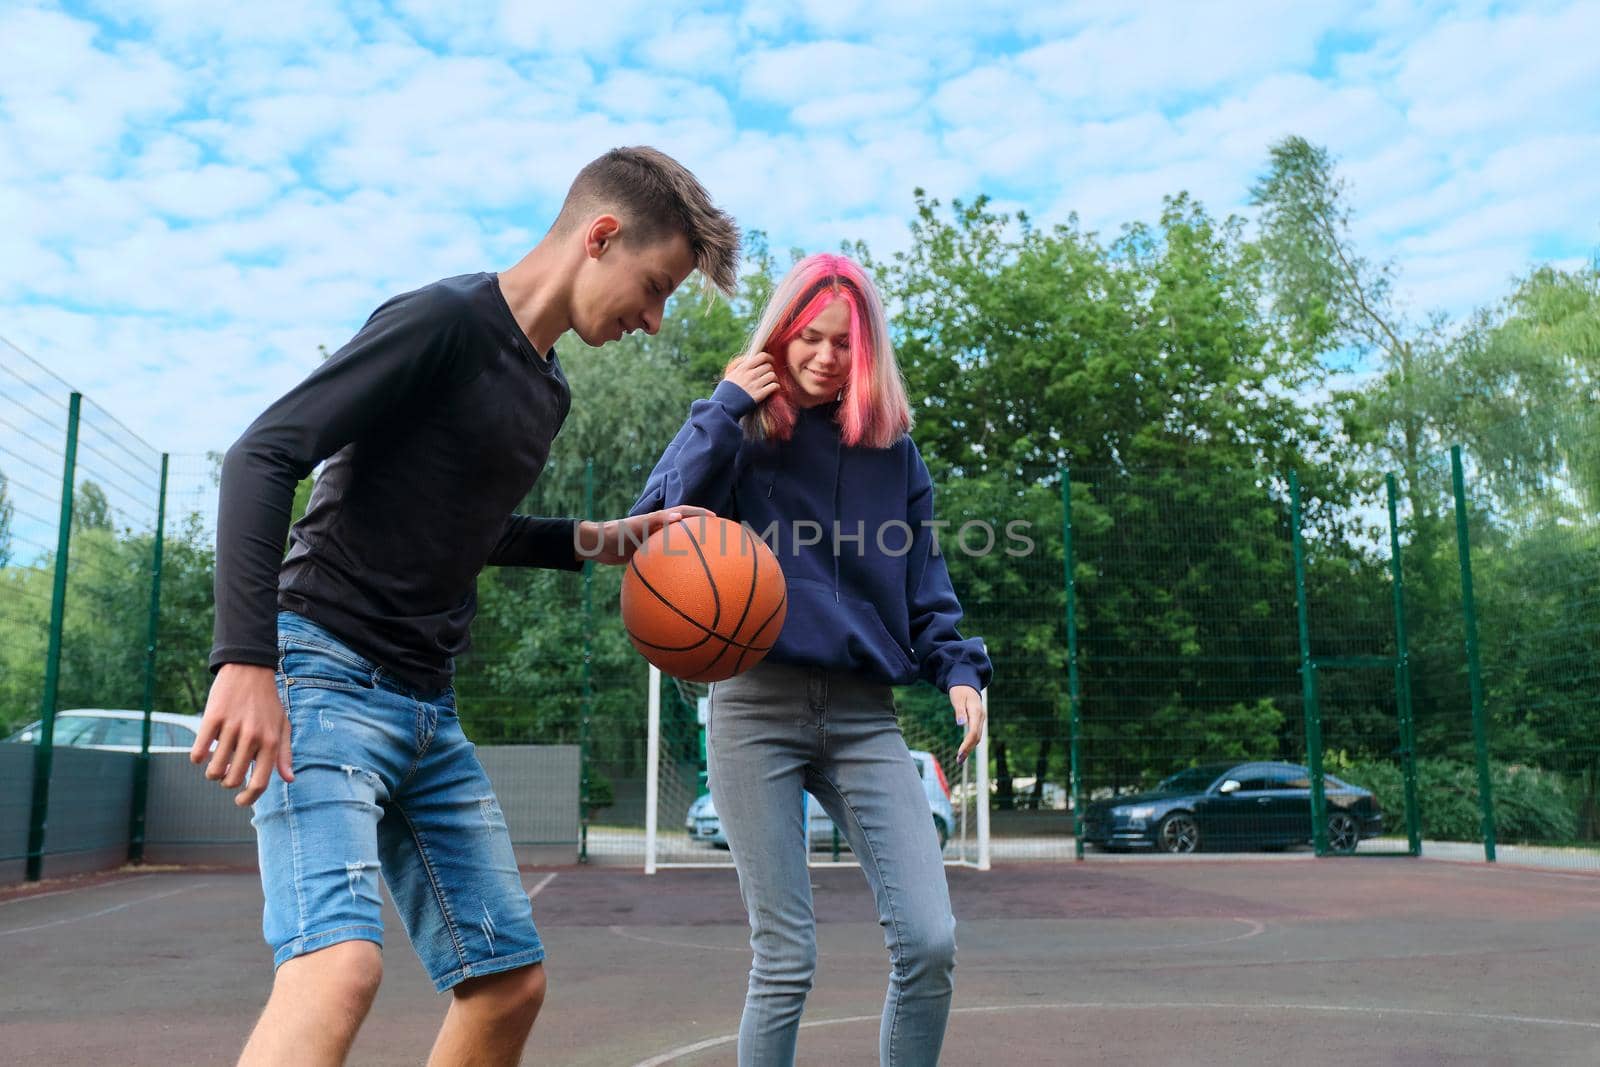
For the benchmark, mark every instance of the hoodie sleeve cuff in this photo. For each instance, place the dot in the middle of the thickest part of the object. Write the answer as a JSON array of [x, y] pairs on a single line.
[[734, 400], [964, 675]]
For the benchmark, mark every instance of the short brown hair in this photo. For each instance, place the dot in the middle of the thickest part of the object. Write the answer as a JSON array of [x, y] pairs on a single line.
[[656, 195]]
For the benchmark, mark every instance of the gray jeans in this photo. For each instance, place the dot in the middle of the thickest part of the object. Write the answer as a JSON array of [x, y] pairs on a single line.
[[777, 730]]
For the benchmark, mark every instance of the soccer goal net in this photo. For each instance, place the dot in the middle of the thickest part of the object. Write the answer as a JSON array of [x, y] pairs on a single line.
[[684, 829]]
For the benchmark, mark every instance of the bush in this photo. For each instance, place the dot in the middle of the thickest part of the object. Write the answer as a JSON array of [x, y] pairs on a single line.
[[1530, 805], [601, 793]]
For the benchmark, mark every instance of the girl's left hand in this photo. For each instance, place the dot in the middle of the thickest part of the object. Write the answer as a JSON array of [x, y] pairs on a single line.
[[968, 705]]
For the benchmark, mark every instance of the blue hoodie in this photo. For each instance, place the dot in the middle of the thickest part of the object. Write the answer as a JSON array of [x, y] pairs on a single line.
[[871, 595]]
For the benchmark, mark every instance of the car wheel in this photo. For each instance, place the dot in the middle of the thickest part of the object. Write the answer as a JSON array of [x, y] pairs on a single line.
[[1343, 833], [944, 831], [1178, 832]]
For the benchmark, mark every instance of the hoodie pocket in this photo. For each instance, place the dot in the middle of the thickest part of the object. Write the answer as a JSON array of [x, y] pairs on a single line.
[[842, 633]]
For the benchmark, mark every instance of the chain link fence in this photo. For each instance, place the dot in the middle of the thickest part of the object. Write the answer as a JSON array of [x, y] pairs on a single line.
[[1426, 639]]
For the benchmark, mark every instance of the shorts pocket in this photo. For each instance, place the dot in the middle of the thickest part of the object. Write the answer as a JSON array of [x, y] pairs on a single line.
[[314, 666]]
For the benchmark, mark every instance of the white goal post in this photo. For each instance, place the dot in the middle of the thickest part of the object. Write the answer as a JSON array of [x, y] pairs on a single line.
[[682, 831]]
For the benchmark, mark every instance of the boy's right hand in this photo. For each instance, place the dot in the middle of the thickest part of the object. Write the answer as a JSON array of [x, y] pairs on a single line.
[[246, 720], [756, 375]]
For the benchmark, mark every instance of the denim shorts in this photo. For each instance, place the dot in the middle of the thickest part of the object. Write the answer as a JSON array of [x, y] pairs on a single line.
[[384, 781]]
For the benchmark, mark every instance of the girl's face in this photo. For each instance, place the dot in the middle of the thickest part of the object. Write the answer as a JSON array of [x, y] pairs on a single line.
[[819, 356]]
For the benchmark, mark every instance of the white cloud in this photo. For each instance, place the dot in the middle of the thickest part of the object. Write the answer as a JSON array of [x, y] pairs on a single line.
[[1104, 206], [193, 26], [192, 206], [801, 73], [978, 96], [1433, 282], [1516, 195], [1481, 75], [594, 29], [208, 191], [847, 110], [601, 32], [888, 19], [67, 103], [698, 44], [637, 94], [1157, 52]]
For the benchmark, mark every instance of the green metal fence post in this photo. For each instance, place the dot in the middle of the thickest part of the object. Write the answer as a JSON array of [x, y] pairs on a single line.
[[44, 748], [1402, 675], [1469, 624], [141, 766], [1074, 703], [1308, 679], [588, 674]]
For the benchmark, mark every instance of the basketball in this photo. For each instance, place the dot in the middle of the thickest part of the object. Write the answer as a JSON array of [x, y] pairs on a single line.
[[704, 599]]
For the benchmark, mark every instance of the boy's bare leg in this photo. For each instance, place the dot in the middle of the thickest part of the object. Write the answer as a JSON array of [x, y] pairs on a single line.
[[318, 1002], [489, 1019]]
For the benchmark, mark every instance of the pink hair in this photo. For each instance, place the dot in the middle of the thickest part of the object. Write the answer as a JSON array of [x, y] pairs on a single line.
[[874, 411]]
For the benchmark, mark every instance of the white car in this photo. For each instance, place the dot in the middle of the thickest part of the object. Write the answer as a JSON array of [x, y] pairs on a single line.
[[116, 730], [703, 824]]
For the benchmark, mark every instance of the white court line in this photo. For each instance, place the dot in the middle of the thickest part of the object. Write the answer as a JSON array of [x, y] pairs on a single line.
[[1365, 1011], [75, 889], [546, 880], [102, 911]]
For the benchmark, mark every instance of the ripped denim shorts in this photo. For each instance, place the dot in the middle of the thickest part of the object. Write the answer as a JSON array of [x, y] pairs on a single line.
[[384, 782]]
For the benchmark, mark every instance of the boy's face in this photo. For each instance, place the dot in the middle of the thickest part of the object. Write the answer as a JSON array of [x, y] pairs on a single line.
[[622, 285]]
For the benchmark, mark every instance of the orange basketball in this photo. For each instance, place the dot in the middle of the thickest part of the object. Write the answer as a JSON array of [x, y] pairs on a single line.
[[703, 599]]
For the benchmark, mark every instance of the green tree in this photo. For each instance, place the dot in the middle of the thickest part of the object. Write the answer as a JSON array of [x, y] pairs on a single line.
[[8, 513], [1517, 386], [24, 629], [91, 509], [188, 570], [1524, 388], [1153, 366], [1527, 388], [1331, 298]]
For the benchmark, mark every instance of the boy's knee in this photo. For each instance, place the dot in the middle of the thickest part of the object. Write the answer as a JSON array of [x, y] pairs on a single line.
[[531, 986], [349, 972], [510, 995]]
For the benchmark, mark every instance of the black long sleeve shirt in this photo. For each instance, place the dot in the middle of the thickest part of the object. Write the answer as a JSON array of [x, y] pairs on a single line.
[[438, 417]]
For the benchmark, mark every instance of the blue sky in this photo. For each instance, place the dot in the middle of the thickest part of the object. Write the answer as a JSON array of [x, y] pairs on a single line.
[[194, 196]]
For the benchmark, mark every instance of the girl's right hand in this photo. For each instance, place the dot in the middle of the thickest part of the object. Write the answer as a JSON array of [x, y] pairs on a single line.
[[756, 375]]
